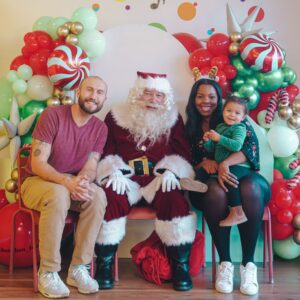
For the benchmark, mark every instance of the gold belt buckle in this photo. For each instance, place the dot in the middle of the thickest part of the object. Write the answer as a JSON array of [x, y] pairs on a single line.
[[144, 161]]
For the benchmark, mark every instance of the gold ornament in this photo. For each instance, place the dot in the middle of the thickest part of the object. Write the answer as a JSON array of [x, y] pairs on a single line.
[[62, 31], [11, 186], [296, 221], [71, 39], [68, 25], [67, 101], [296, 106], [285, 112], [296, 236], [294, 121], [14, 174], [235, 37], [58, 93], [234, 48], [76, 27], [53, 101]]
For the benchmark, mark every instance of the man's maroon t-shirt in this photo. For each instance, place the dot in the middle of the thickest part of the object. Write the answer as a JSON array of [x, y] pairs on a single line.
[[71, 145]]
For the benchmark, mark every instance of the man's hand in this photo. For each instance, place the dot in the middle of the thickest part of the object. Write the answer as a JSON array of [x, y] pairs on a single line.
[[214, 135], [210, 166], [169, 182], [224, 176], [118, 182]]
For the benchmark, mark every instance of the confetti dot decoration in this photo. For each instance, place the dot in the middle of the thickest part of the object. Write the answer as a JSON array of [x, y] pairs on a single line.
[[68, 65], [211, 31], [158, 25], [261, 52], [186, 11], [96, 7], [260, 16], [127, 7]]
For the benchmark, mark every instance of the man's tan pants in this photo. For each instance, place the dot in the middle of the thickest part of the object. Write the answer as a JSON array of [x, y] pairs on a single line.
[[53, 202]]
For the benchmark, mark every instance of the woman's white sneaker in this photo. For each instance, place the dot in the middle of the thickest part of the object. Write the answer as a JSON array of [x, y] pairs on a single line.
[[224, 280], [249, 284]]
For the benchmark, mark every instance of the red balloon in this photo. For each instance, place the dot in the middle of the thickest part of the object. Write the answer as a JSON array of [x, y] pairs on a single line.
[[277, 174], [222, 77], [23, 245], [200, 58], [218, 62], [58, 42], [18, 61], [284, 216], [44, 40], [218, 43], [205, 70], [273, 208], [226, 88], [32, 46], [293, 90], [3, 199], [189, 42], [230, 71], [296, 191], [295, 207], [284, 198], [281, 231], [38, 61]]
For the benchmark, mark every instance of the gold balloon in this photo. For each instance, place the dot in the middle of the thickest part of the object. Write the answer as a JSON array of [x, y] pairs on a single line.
[[296, 106], [296, 221], [285, 112], [235, 37], [14, 174], [234, 48], [76, 27], [68, 24], [58, 93], [71, 39], [62, 31], [11, 186], [53, 101], [296, 236], [294, 121], [67, 101]]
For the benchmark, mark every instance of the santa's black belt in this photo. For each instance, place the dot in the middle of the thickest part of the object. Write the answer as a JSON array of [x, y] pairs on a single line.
[[141, 166]]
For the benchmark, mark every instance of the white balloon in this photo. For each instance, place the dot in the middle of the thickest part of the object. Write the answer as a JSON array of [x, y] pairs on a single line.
[[283, 141], [262, 121], [39, 87]]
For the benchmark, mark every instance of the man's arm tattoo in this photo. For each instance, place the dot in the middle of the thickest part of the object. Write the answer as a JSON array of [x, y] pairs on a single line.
[[37, 152]]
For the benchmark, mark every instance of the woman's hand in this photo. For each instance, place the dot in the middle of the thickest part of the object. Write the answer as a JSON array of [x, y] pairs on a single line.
[[224, 176], [210, 166]]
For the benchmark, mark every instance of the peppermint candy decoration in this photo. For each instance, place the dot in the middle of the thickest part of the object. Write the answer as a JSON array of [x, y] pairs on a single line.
[[67, 66], [261, 52], [293, 182]]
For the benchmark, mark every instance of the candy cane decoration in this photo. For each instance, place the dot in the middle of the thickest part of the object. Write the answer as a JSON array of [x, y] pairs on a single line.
[[293, 182], [281, 97], [294, 164]]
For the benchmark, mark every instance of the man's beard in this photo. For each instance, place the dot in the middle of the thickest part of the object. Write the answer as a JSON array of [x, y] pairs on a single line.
[[151, 125], [86, 109]]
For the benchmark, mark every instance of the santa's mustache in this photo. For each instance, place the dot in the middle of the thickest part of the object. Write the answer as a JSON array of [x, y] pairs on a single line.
[[151, 105]]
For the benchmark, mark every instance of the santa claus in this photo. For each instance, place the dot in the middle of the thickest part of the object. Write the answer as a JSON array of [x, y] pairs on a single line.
[[146, 158]]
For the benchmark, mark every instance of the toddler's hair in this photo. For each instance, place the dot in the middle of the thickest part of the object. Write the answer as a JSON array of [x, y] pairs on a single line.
[[234, 99]]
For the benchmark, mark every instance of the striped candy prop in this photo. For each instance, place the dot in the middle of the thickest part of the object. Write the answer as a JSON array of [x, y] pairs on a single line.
[[293, 182], [68, 65], [281, 97], [261, 52]]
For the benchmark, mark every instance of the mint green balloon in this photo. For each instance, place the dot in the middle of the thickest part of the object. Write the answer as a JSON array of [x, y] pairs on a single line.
[[246, 90], [54, 24], [42, 23], [92, 42], [19, 86], [282, 164], [6, 94], [12, 75], [289, 75], [242, 68], [86, 16], [24, 72], [269, 81], [237, 82], [253, 100], [287, 248]]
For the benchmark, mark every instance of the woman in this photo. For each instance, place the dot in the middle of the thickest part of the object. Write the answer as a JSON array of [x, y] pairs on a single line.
[[204, 112]]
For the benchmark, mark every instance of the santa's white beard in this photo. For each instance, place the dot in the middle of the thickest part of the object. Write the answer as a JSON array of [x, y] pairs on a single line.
[[151, 125]]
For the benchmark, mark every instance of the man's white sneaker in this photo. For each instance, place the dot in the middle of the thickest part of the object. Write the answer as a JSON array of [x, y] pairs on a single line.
[[224, 280], [51, 286], [79, 276], [249, 284]]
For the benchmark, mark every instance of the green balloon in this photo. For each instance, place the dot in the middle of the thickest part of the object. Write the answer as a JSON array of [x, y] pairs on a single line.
[[42, 23], [252, 81], [288, 74], [282, 164], [31, 107], [284, 84], [287, 248], [6, 94], [269, 81], [54, 24], [86, 16], [25, 72], [237, 82], [27, 138], [92, 42], [246, 90], [12, 75], [19, 86], [253, 100], [242, 68]]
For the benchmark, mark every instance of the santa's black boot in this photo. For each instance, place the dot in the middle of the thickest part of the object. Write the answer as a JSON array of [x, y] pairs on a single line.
[[179, 257], [104, 265]]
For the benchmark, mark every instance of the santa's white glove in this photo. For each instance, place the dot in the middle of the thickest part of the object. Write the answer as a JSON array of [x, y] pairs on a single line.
[[169, 182], [119, 182]]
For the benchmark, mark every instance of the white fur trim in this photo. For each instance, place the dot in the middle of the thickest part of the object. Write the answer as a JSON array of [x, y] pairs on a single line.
[[178, 231], [111, 164], [160, 84], [177, 165], [134, 193], [112, 232]]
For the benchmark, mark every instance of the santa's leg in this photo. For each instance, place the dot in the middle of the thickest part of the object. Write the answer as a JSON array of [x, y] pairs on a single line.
[[176, 227], [111, 233]]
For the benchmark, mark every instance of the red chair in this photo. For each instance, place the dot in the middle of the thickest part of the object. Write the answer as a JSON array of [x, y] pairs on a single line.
[[267, 229], [72, 218]]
